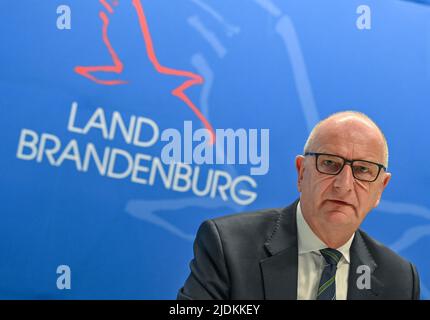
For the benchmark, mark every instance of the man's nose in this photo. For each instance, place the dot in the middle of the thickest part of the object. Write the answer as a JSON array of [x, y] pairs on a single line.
[[345, 179]]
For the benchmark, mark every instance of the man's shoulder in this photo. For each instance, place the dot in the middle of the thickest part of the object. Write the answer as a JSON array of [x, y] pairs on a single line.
[[250, 218], [255, 225]]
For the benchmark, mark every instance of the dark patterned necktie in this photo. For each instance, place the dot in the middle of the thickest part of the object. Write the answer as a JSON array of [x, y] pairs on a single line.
[[327, 286]]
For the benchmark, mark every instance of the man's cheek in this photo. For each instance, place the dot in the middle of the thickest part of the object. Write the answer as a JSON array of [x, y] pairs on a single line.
[[321, 187]]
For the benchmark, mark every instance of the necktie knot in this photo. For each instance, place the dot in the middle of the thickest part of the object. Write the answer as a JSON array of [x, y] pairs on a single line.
[[331, 256]]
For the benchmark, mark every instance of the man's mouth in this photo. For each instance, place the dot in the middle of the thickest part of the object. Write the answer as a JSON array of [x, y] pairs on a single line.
[[340, 202]]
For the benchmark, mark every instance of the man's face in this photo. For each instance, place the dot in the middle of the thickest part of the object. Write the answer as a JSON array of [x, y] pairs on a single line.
[[341, 201]]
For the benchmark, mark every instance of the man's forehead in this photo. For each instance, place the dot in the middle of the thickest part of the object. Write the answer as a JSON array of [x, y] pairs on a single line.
[[348, 136], [349, 128]]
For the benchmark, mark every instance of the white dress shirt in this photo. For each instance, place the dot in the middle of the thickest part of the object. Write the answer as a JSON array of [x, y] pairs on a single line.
[[311, 262]]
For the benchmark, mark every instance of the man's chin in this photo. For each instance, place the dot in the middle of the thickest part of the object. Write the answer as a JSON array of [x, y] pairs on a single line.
[[338, 216]]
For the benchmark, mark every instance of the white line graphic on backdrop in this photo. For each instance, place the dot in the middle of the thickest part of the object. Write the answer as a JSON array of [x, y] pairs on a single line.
[[285, 29], [229, 29], [146, 210], [199, 62], [213, 40], [411, 235], [269, 7]]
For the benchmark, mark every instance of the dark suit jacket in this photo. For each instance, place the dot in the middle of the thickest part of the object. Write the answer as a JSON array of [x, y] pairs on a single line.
[[255, 256]]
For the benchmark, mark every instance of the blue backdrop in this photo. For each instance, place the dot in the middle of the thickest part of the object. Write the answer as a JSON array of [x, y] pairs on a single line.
[[280, 65]]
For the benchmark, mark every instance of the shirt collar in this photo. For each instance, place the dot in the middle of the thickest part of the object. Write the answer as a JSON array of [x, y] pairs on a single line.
[[308, 241]]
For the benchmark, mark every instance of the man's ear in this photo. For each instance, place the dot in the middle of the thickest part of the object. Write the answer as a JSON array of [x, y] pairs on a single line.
[[385, 180], [300, 167]]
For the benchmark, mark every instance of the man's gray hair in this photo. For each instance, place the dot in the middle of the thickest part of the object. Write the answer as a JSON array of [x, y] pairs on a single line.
[[311, 138]]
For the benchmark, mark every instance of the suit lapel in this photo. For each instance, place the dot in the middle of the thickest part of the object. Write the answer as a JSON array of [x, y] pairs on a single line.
[[280, 269], [360, 256]]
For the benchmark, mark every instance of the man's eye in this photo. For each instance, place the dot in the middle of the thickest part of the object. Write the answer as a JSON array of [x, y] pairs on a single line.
[[328, 163], [362, 169]]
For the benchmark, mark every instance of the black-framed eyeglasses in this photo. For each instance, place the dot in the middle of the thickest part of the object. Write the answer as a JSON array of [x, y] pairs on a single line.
[[332, 164]]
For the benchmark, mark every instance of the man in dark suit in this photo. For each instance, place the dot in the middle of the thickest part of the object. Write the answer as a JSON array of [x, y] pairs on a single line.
[[314, 248]]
